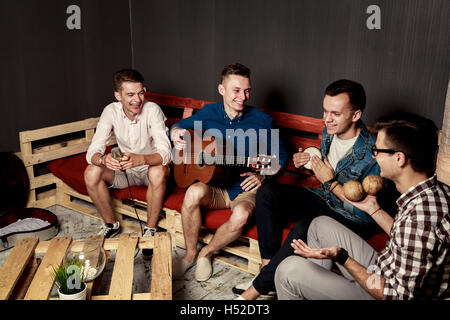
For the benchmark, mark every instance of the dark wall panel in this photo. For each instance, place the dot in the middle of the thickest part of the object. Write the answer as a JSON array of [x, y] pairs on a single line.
[[51, 75], [173, 45], [295, 48]]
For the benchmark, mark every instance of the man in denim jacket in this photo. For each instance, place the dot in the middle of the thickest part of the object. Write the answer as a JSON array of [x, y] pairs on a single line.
[[356, 164], [346, 155]]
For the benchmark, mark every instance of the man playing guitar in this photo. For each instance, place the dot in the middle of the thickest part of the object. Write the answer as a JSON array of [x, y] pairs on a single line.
[[238, 194]]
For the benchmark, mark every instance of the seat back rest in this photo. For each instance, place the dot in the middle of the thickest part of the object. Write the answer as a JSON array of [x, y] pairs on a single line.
[[296, 131]]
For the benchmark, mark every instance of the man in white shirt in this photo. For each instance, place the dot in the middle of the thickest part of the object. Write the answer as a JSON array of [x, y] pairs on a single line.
[[142, 136]]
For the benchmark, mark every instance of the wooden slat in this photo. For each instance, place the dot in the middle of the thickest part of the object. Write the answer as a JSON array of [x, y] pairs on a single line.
[[89, 134], [81, 208], [25, 148], [15, 264], [41, 286], [25, 280], [161, 285], [119, 207], [108, 244], [231, 263], [122, 276], [302, 142], [56, 154], [43, 203], [51, 147], [295, 121], [182, 102], [53, 131], [44, 195], [135, 296], [233, 248], [42, 180]]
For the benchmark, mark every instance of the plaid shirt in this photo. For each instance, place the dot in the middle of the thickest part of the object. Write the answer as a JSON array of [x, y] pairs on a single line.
[[416, 261]]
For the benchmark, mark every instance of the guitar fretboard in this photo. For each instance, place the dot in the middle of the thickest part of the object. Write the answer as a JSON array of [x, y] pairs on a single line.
[[217, 160]]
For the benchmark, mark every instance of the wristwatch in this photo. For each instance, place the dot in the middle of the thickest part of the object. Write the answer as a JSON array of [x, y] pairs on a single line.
[[327, 185], [101, 159], [342, 257]]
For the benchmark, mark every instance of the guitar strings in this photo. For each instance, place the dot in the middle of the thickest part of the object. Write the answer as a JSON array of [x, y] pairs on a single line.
[[221, 160], [218, 159]]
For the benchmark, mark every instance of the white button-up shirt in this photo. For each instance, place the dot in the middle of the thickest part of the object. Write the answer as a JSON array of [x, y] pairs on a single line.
[[146, 134]]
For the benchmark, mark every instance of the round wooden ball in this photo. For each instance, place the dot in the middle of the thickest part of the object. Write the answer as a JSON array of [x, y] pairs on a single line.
[[353, 190], [372, 184]]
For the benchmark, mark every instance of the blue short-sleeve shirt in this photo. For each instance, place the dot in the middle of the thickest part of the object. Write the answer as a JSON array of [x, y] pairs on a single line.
[[253, 124]]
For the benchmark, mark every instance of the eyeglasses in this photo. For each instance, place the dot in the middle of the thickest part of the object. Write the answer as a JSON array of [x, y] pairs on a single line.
[[375, 151]]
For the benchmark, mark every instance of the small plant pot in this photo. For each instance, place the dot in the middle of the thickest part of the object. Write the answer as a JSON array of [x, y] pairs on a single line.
[[76, 296]]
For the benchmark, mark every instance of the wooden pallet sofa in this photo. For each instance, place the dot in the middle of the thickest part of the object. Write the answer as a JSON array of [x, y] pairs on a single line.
[[61, 149]]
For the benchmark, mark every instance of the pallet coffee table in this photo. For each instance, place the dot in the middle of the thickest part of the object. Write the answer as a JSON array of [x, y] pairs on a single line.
[[23, 276]]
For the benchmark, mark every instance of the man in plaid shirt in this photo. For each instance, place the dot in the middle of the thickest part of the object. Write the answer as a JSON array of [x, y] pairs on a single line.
[[416, 261]]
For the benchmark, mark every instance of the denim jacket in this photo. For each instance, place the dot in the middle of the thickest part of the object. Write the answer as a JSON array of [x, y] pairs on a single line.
[[355, 165]]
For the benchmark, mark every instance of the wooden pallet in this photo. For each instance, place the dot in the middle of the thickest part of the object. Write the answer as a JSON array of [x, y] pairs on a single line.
[[22, 276], [43, 145]]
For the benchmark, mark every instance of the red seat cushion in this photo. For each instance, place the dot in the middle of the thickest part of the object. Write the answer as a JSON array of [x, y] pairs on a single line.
[[378, 241], [138, 193], [174, 199], [213, 219], [71, 171]]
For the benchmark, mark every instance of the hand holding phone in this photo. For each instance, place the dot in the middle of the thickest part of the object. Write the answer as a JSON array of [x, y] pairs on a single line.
[[116, 153]]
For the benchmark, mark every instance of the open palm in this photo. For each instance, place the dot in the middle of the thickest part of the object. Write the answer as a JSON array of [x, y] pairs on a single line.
[[301, 248]]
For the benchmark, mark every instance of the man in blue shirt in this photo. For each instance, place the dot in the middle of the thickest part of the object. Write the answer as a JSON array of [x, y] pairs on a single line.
[[234, 120]]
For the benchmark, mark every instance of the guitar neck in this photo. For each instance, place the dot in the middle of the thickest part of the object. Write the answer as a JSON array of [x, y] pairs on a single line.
[[219, 160]]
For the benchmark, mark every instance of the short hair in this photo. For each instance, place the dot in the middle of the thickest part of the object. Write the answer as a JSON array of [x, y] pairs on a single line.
[[124, 75], [235, 68], [354, 90], [415, 136]]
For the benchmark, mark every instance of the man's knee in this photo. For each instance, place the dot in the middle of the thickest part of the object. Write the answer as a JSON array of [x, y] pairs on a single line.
[[290, 265], [92, 175], [291, 271], [321, 225], [157, 175], [195, 193], [240, 215]]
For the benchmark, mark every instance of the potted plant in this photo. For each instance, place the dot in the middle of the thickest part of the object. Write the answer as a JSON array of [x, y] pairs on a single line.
[[70, 279]]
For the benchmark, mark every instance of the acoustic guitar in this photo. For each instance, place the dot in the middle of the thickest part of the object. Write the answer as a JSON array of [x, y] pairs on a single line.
[[203, 165]]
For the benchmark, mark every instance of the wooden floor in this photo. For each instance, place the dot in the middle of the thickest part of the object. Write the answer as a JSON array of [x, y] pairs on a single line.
[[218, 287]]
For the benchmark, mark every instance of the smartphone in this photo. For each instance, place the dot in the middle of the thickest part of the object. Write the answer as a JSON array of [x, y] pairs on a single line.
[[116, 153]]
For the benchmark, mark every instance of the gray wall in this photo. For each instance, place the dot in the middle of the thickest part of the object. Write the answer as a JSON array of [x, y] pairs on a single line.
[[51, 75], [295, 48]]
